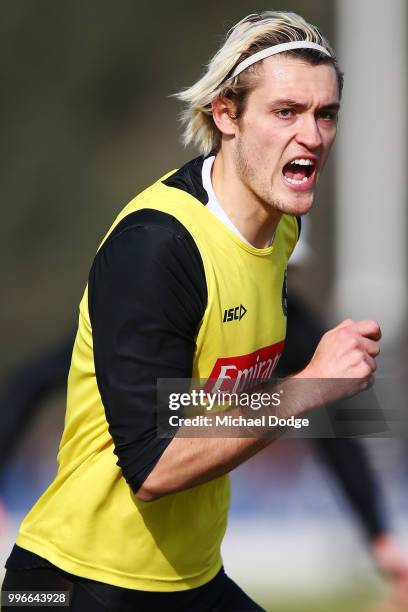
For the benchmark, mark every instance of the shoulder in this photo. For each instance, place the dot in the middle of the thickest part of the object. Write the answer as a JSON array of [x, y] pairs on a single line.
[[160, 223], [148, 254], [147, 234]]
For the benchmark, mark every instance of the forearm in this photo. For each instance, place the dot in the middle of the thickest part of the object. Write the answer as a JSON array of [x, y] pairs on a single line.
[[189, 461]]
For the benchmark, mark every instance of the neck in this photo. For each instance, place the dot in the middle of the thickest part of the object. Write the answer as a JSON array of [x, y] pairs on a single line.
[[256, 220]]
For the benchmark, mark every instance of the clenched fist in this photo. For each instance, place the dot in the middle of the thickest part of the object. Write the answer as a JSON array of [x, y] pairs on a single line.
[[347, 352]]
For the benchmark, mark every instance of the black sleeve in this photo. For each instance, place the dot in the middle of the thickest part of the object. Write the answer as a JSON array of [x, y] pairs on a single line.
[[147, 295], [350, 465]]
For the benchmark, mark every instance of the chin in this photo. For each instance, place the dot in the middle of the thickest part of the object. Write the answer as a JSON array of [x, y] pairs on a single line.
[[297, 206], [302, 209]]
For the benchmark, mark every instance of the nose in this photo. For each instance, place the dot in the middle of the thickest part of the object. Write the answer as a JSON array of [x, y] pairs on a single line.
[[309, 134]]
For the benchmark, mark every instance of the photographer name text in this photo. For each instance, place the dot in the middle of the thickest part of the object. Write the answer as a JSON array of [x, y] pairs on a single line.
[[220, 420]]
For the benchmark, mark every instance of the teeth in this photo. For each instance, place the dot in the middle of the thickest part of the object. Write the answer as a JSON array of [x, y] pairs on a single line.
[[295, 182], [302, 162]]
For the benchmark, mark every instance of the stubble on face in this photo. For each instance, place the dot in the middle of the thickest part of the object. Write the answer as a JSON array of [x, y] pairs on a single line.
[[259, 187]]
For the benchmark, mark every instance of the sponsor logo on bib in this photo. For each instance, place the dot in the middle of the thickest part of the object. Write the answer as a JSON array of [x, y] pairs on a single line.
[[235, 374]]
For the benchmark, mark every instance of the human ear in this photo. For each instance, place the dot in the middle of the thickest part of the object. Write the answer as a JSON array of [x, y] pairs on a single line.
[[223, 112]]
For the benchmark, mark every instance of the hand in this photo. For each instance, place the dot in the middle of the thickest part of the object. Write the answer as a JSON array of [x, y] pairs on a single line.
[[347, 352], [392, 560]]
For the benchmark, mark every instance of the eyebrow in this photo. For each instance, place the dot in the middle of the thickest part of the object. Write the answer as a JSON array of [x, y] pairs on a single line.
[[334, 106]]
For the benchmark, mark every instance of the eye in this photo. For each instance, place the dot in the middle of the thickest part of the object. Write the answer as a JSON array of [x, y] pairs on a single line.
[[328, 115], [285, 113]]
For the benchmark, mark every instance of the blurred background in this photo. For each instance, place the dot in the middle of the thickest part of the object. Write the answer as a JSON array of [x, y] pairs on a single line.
[[87, 121]]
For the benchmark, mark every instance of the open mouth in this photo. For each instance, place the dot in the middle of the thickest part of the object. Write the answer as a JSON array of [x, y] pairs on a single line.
[[299, 174]]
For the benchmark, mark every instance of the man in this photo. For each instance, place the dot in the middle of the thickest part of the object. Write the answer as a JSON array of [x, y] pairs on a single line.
[[143, 529]]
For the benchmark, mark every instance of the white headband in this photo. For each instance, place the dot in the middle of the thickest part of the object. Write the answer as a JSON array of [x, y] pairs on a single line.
[[257, 57]]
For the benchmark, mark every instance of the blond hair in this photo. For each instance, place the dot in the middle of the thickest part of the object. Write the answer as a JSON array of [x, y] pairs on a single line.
[[250, 35]]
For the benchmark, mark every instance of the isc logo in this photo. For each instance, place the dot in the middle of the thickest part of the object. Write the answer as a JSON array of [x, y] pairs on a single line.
[[234, 314]]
